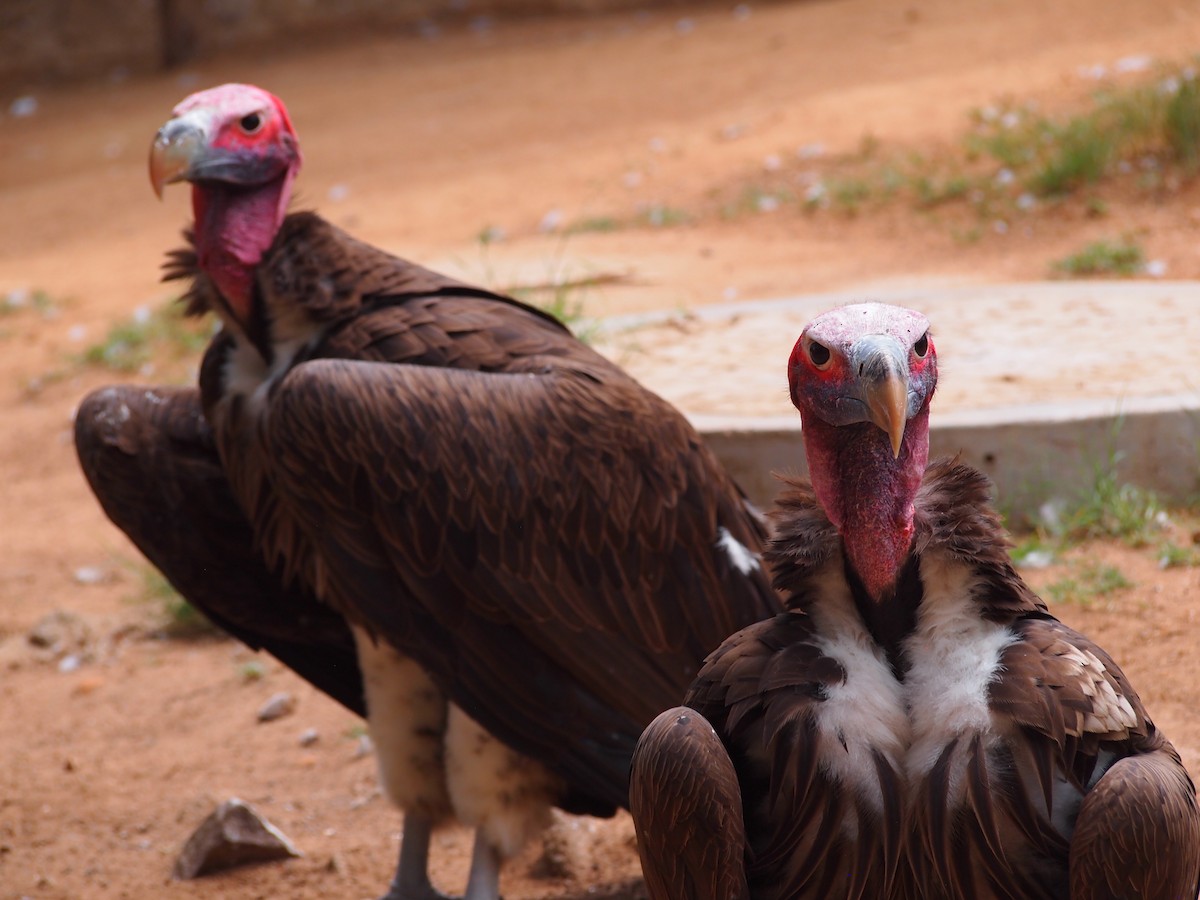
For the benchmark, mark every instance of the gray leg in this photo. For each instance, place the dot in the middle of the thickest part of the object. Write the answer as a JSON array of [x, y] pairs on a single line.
[[484, 881], [412, 872]]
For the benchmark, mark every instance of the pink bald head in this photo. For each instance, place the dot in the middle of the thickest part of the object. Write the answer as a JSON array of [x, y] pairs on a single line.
[[862, 377], [236, 145]]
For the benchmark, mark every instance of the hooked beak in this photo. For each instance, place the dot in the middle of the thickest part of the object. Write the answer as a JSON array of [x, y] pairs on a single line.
[[174, 152], [882, 366]]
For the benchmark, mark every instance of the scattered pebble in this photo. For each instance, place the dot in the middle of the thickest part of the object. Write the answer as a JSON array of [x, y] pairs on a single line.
[[309, 736], [23, 107], [1000, 226], [732, 132], [741, 12], [657, 145], [1026, 201], [70, 663], [685, 26], [631, 179], [767, 203], [1005, 177], [1037, 559], [1128, 64], [235, 834], [280, 705], [772, 162], [810, 151], [1156, 268], [364, 747], [1095, 72], [91, 574], [428, 30], [551, 221], [60, 631], [338, 192]]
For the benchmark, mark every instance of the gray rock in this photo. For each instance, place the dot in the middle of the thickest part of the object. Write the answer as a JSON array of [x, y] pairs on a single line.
[[234, 835], [280, 705]]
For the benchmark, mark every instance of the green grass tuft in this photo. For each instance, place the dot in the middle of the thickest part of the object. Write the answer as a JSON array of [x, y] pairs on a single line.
[[1105, 258], [1093, 580], [131, 344]]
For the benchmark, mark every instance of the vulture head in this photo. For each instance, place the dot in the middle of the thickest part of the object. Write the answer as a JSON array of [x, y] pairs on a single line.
[[236, 145], [862, 377]]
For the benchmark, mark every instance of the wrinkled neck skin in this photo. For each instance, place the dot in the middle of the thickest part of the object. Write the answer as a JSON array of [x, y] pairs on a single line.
[[234, 227], [867, 493]]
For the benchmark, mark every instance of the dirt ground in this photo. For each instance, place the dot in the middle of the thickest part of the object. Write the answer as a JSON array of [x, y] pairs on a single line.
[[117, 742]]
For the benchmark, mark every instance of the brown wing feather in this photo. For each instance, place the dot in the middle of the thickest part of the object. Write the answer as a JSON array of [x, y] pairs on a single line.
[[687, 809], [454, 507], [150, 458], [1138, 832], [762, 691]]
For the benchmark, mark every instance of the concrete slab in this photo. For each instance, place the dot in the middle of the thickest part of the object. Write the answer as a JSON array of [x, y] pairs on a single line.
[[1041, 383]]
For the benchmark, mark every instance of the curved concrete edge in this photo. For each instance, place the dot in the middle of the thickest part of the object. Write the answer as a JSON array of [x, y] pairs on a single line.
[[1033, 454]]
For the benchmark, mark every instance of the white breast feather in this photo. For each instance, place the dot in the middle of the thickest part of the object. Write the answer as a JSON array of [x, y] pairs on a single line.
[[865, 713], [956, 656]]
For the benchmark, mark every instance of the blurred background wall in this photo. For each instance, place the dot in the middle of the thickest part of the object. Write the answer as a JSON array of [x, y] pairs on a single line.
[[65, 39]]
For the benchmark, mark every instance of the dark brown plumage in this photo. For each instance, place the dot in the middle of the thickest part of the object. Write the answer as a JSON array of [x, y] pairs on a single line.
[[944, 738], [531, 553]]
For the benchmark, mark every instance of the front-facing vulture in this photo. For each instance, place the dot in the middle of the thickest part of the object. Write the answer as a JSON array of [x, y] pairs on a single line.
[[916, 725], [526, 554]]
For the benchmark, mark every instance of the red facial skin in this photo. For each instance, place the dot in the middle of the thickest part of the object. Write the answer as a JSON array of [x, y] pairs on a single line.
[[241, 172], [866, 491]]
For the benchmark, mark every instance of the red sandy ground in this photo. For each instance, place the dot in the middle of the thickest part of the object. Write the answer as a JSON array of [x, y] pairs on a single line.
[[419, 145]]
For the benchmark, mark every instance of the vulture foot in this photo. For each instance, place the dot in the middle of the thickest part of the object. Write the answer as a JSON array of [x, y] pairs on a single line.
[[411, 881], [484, 881]]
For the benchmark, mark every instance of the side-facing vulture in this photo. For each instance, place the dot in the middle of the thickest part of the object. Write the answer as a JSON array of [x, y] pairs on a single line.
[[916, 724], [525, 553]]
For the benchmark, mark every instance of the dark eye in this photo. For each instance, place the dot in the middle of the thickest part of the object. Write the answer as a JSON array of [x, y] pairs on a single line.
[[921, 347], [251, 123], [819, 354]]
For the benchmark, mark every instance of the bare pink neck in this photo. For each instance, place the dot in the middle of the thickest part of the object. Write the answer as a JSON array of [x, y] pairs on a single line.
[[234, 227], [867, 493]]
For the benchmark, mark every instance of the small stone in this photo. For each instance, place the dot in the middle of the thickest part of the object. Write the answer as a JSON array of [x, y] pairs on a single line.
[[1037, 559], [60, 631], [87, 574], [309, 736], [23, 107], [364, 747], [280, 705], [233, 835]]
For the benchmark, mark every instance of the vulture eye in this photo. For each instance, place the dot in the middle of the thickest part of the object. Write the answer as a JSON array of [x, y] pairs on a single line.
[[251, 123], [921, 347], [819, 354]]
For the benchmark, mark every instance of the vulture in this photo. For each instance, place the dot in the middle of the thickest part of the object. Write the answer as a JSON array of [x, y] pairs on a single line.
[[915, 724], [428, 499]]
